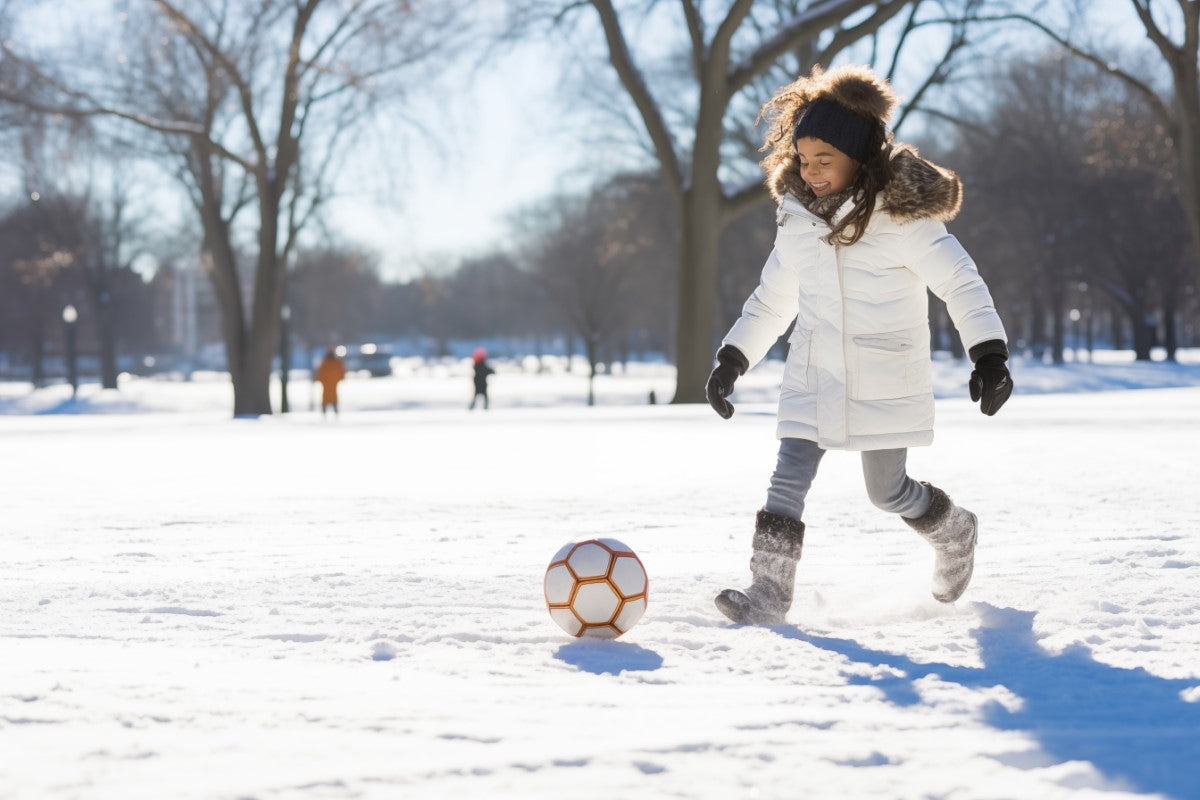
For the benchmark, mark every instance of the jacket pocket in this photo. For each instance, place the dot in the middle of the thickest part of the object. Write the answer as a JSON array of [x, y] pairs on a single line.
[[799, 361], [889, 366]]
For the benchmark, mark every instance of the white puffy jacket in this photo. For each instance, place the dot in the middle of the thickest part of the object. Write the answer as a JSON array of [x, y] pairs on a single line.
[[858, 373]]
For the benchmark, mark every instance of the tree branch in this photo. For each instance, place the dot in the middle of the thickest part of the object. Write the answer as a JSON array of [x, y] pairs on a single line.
[[230, 68], [725, 31], [1156, 103], [974, 127], [1191, 26], [1155, 34], [287, 147], [812, 20], [341, 25], [695, 26], [937, 75], [909, 27], [848, 36], [631, 79], [744, 198], [190, 129]]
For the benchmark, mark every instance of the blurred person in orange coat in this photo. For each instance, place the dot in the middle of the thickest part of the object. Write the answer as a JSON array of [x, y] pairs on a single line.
[[329, 374]]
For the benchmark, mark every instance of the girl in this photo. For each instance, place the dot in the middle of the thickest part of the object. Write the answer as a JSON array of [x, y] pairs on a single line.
[[861, 236]]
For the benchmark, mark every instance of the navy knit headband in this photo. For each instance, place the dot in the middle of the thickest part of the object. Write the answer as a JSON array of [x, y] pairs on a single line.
[[832, 123]]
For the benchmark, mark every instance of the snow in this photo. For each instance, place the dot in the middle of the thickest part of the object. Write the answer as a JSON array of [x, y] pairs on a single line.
[[200, 607]]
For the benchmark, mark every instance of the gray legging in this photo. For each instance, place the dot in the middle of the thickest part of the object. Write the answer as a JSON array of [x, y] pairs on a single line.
[[888, 484]]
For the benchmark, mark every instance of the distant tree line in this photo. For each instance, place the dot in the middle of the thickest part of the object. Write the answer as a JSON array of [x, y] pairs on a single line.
[[1074, 212], [1071, 212], [249, 108]]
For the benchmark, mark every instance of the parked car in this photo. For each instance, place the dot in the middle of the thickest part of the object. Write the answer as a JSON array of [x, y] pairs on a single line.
[[369, 358]]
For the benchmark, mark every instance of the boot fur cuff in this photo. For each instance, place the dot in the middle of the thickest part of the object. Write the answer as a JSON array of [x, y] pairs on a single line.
[[775, 533], [939, 507]]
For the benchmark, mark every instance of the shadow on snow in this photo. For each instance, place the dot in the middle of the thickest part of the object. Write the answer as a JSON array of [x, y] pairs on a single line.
[[608, 658], [1131, 725]]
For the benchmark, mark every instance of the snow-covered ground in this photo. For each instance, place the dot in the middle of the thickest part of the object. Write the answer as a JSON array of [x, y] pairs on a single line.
[[199, 607]]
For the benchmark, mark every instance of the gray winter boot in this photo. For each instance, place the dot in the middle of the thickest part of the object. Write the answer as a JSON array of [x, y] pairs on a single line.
[[777, 543], [952, 531]]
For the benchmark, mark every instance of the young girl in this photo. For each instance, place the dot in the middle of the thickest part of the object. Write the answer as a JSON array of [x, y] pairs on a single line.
[[861, 236]]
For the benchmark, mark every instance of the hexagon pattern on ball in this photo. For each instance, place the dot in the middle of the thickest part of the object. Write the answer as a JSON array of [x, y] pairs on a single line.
[[590, 560], [596, 588], [562, 553], [631, 612], [567, 620], [559, 585], [628, 575], [596, 603]]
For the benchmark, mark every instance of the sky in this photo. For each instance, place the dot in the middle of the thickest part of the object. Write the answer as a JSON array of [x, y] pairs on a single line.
[[447, 205], [296, 607]]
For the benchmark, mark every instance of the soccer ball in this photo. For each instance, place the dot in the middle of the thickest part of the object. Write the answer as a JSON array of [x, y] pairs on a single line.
[[596, 588]]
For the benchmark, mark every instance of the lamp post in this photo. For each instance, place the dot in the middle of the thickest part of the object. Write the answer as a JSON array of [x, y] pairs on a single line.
[[285, 315], [1075, 317], [70, 316], [1088, 336]]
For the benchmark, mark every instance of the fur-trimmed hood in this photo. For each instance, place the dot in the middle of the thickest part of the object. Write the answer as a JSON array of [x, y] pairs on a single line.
[[919, 189]]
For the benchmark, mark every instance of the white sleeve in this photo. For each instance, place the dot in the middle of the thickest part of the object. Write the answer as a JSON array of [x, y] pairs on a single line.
[[768, 311], [947, 269]]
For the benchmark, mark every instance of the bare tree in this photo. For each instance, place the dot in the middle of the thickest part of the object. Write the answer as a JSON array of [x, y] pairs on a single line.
[[333, 293], [1173, 28], [728, 52], [60, 161], [110, 242], [38, 277], [1072, 201], [254, 104], [586, 258]]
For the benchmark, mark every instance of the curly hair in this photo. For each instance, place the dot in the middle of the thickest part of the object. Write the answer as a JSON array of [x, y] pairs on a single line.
[[859, 90], [872, 176]]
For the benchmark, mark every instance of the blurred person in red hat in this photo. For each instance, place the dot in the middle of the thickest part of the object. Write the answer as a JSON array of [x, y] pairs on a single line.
[[482, 370]]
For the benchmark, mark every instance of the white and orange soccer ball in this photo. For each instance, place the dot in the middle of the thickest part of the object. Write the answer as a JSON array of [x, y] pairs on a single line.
[[596, 588]]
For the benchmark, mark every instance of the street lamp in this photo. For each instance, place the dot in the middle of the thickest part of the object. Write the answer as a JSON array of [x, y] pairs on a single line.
[[70, 316], [285, 315], [1075, 317], [1088, 335]]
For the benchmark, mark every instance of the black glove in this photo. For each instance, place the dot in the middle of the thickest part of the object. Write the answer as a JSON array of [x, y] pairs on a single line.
[[731, 364], [990, 381]]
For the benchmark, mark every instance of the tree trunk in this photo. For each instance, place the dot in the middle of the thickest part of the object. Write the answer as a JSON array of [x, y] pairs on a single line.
[[1142, 339], [37, 354], [1037, 327], [701, 229], [1058, 321], [224, 279], [1170, 332], [590, 349], [1090, 333], [106, 332], [96, 275], [267, 306], [249, 349], [1187, 94]]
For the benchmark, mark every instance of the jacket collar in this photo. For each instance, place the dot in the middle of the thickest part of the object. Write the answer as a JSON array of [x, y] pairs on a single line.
[[919, 189]]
